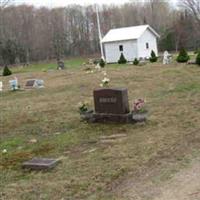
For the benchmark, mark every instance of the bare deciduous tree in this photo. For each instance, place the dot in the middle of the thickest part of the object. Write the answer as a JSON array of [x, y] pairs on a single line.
[[44, 33], [193, 6], [4, 3]]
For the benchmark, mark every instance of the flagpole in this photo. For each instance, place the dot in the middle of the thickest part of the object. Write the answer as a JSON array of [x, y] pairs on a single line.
[[99, 31]]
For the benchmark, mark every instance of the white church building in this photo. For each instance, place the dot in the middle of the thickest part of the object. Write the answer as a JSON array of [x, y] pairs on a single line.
[[133, 42]]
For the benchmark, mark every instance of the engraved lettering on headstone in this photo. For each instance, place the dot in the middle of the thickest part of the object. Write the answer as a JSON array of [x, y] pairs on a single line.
[[112, 101], [107, 100]]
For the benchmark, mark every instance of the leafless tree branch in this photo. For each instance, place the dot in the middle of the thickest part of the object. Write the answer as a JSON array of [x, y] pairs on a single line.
[[193, 6], [4, 3]]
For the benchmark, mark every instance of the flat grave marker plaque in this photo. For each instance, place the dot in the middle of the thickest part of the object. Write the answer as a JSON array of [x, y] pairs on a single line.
[[34, 83], [40, 163]]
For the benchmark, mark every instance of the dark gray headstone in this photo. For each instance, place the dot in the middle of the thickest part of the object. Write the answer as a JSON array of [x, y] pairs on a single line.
[[111, 101], [30, 83], [40, 164]]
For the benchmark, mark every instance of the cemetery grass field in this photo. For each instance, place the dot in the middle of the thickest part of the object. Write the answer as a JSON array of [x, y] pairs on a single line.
[[51, 65], [46, 123]]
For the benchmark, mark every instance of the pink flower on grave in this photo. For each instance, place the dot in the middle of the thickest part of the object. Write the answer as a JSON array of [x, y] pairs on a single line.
[[138, 105]]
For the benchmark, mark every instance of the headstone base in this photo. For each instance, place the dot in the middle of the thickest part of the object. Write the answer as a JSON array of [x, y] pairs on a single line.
[[118, 118], [131, 117]]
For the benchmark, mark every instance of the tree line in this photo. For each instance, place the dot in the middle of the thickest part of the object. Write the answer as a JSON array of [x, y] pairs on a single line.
[[33, 34]]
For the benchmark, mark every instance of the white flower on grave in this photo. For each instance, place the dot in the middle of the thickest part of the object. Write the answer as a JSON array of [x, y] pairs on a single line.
[[33, 141], [105, 82], [101, 85], [4, 151], [89, 72], [57, 133], [83, 106]]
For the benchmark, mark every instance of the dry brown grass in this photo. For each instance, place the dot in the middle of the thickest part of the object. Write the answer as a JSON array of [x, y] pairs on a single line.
[[168, 139]]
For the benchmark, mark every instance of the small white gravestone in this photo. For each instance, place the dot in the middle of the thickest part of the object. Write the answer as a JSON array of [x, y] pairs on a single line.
[[1, 86], [14, 84], [39, 83], [166, 58]]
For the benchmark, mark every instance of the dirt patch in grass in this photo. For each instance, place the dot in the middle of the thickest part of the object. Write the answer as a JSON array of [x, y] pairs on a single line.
[[14, 159], [43, 149]]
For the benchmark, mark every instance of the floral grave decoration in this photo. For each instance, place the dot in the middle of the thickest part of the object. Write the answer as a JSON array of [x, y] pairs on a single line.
[[139, 106], [105, 81], [85, 112], [83, 107]]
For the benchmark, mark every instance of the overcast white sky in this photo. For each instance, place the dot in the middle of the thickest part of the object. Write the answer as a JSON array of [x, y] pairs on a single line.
[[57, 3]]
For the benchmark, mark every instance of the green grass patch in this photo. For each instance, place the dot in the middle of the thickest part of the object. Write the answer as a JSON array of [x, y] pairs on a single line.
[[43, 67], [187, 87]]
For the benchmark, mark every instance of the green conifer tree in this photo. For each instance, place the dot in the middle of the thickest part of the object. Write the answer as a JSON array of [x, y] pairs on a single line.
[[198, 59], [183, 56], [153, 57], [6, 71], [122, 59], [102, 63], [136, 61]]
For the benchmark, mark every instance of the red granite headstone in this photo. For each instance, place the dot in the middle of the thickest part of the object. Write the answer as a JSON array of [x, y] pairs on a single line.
[[111, 101]]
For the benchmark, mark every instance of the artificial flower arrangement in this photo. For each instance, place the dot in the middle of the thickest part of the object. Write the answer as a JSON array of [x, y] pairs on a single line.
[[105, 81], [85, 113], [83, 107], [139, 106]]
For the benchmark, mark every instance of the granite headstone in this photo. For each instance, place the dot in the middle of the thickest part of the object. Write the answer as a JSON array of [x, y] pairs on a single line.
[[30, 83], [111, 101]]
